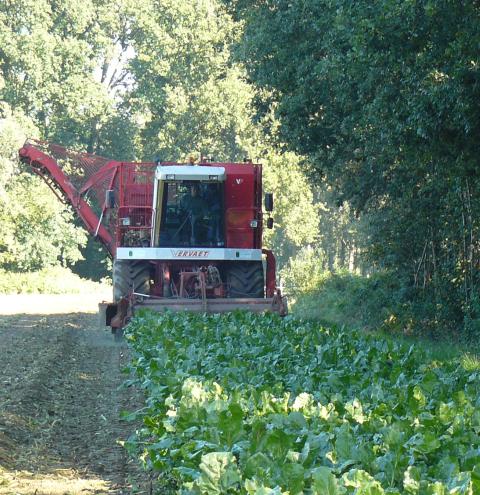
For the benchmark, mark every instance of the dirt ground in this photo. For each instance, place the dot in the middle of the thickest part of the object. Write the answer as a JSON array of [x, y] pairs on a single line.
[[60, 401]]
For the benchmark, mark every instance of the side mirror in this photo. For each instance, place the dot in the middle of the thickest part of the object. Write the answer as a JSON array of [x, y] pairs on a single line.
[[268, 201], [110, 198], [270, 223]]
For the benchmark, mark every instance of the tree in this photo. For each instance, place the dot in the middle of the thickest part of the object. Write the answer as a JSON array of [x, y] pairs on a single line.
[[35, 230], [296, 213], [382, 97], [191, 96], [65, 65]]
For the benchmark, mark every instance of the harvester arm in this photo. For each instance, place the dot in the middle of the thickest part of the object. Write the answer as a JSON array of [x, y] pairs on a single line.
[[47, 168]]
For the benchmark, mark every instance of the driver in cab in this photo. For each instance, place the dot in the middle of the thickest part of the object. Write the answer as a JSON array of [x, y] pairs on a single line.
[[195, 207], [193, 203]]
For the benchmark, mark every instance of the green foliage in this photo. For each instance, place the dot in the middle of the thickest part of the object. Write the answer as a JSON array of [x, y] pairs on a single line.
[[375, 302], [192, 97], [40, 230], [95, 263], [295, 210], [14, 127], [51, 280], [304, 272], [62, 69], [64, 66], [363, 87], [382, 99], [36, 230], [382, 300], [243, 403]]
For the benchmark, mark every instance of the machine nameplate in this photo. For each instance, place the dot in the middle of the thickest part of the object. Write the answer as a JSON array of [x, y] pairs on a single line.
[[185, 253], [192, 254]]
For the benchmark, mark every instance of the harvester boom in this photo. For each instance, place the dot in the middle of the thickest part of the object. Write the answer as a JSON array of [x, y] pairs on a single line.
[[50, 171]]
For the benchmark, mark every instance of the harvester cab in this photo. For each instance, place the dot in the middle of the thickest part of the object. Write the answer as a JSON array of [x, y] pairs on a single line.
[[188, 206], [182, 236]]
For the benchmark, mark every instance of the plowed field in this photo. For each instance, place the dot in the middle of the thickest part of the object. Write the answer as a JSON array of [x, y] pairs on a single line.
[[60, 399]]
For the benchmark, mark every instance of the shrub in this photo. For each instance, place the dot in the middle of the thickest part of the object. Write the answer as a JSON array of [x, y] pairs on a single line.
[[53, 280]]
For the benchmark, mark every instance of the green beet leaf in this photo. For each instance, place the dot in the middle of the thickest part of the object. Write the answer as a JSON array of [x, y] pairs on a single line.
[[324, 482], [219, 474]]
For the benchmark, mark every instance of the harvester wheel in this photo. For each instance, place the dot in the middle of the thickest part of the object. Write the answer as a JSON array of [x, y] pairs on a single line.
[[128, 275], [121, 279], [140, 273], [245, 279]]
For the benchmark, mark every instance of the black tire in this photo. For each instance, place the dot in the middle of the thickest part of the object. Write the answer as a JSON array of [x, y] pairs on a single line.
[[245, 279], [130, 275], [140, 273], [121, 279]]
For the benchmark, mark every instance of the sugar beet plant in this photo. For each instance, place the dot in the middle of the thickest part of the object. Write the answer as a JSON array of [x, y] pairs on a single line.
[[250, 404]]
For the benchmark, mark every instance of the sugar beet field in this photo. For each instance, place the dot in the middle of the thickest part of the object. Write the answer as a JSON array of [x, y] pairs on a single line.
[[250, 404]]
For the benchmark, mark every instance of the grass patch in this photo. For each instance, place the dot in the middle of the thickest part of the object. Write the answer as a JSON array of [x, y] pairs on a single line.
[[347, 299], [383, 306], [53, 280]]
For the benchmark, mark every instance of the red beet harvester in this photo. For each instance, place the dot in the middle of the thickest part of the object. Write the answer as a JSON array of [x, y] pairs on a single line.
[[182, 236]]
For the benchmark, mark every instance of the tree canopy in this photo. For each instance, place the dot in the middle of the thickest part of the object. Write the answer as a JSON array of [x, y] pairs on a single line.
[[383, 99]]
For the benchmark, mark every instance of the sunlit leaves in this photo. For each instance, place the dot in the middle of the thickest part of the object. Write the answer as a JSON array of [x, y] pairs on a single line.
[[196, 98], [251, 404], [36, 230]]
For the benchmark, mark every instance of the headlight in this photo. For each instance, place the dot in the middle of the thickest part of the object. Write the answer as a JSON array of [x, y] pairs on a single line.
[[213, 177], [170, 176]]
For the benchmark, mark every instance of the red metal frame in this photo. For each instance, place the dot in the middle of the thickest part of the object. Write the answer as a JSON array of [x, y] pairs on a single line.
[[133, 184], [94, 179], [135, 197], [47, 168]]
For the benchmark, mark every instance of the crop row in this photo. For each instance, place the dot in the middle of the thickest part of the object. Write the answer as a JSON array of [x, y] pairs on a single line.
[[242, 403]]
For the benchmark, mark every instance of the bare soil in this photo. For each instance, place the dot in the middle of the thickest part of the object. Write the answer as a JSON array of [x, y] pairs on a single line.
[[61, 396]]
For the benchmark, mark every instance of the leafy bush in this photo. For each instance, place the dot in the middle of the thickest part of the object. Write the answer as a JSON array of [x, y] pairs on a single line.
[[304, 272], [384, 301], [53, 280], [344, 298], [36, 230], [251, 404]]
